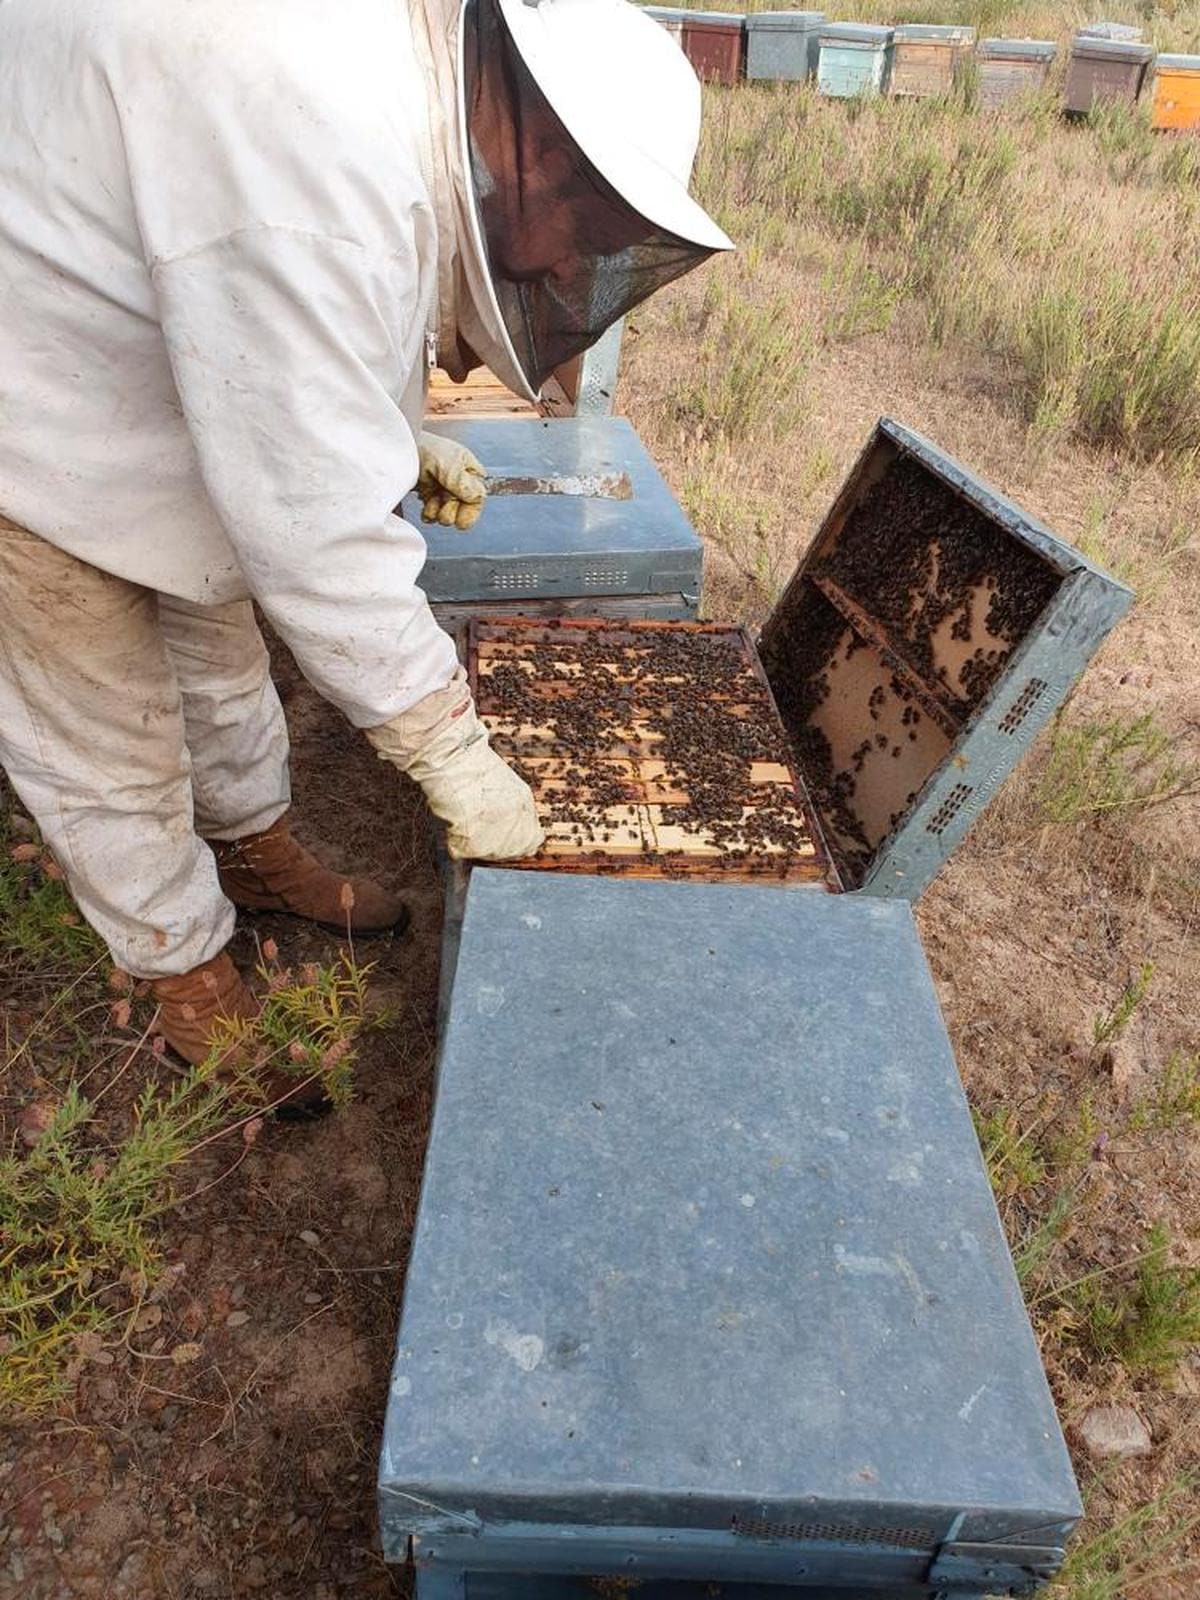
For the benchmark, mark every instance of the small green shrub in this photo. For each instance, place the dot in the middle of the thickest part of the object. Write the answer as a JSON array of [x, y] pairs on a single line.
[[1120, 765], [1149, 1322]]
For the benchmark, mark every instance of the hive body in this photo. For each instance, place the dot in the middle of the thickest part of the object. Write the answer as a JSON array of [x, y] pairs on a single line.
[[928, 60], [855, 60], [1009, 68], [707, 1285], [1176, 92], [783, 46], [1103, 70], [715, 43]]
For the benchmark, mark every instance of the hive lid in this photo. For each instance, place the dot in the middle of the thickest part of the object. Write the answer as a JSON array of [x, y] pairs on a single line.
[[856, 33], [1090, 47], [792, 21], [918, 32], [534, 546], [706, 1240], [899, 633], [716, 19], [1016, 50], [1177, 63]]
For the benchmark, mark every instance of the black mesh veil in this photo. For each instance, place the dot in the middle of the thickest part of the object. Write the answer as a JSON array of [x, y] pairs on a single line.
[[567, 255]]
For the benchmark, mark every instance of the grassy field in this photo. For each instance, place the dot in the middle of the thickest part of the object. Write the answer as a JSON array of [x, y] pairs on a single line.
[[196, 1313], [1026, 292]]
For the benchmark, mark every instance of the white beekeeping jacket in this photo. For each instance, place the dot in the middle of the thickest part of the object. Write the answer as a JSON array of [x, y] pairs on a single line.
[[218, 266]]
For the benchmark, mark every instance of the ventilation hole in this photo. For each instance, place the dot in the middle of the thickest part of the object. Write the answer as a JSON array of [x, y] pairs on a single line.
[[949, 808], [514, 580], [1023, 705], [837, 1533], [597, 575]]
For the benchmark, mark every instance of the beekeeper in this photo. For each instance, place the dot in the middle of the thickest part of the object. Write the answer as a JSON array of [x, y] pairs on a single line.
[[234, 237]]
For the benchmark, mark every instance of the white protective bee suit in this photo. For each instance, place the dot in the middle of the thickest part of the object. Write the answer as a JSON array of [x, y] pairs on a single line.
[[231, 234]]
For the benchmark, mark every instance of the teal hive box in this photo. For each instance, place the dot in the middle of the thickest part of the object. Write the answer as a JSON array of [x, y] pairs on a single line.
[[856, 59], [783, 46]]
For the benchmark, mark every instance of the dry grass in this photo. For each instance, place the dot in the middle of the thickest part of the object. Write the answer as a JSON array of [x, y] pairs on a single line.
[[1027, 293]]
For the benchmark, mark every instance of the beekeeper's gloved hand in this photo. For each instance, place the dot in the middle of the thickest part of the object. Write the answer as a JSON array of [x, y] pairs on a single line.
[[451, 484], [441, 744]]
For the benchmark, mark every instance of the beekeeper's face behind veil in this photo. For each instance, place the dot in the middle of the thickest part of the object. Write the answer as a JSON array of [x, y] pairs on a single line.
[[577, 123]]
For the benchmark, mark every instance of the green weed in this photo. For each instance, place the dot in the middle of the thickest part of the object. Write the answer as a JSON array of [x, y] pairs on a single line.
[[1124, 764], [1142, 1547], [1111, 1024], [39, 925], [1175, 1099], [1148, 1322], [1034, 1250], [82, 1186], [1013, 1161], [751, 375]]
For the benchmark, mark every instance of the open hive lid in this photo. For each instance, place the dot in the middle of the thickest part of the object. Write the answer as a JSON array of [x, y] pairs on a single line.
[[612, 527], [907, 631], [1016, 50], [706, 1246]]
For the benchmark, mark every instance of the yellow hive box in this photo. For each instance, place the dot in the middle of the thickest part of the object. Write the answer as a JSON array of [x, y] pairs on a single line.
[[1176, 92]]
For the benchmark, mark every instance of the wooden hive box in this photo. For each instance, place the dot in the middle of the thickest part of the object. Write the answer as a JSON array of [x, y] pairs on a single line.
[[654, 749], [928, 59]]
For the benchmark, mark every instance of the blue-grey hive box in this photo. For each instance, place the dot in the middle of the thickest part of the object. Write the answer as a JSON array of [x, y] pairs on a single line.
[[708, 1291], [783, 46], [558, 554], [929, 633]]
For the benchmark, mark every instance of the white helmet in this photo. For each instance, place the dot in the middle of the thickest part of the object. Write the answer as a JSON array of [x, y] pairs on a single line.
[[579, 121]]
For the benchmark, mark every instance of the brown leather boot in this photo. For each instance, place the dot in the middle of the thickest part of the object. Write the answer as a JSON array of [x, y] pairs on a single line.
[[271, 871], [190, 1005]]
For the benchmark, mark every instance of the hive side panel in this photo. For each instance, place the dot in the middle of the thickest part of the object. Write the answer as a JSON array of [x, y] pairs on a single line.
[[1036, 683]]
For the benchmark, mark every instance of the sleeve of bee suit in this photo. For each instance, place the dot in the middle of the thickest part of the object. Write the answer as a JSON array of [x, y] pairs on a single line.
[[287, 350]]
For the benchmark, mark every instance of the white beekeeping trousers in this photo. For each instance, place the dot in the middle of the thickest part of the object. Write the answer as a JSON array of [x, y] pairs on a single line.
[[133, 726]]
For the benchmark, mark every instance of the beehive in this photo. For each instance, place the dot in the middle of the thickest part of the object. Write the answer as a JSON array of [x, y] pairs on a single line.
[[612, 542], [708, 1291], [653, 749], [931, 630], [928, 60], [855, 60], [1176, 92], [715, 43], [1103, 70], [783, 46], [1009, 68]]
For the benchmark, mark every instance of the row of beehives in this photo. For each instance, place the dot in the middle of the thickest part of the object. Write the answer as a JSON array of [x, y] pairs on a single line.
[[1107, 61]]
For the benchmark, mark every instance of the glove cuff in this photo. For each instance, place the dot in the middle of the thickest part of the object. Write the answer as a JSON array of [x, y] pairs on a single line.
[[422, 739]]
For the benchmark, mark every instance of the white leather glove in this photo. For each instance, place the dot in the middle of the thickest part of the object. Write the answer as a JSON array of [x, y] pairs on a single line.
[[451, 484], [442, 745]]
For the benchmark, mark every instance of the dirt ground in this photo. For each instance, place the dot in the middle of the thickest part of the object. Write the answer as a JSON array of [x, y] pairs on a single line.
[[251, 1472]]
